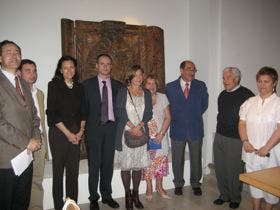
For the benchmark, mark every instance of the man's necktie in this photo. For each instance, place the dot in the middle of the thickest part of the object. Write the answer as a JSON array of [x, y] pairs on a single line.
[[186, 90], [18, 87], [104, 103]]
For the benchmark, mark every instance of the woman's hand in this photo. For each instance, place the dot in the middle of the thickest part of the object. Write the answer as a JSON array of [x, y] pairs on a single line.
[[263, 151], [80, 135], [136, 130], [248, 147], [159, 137], [72, 138]]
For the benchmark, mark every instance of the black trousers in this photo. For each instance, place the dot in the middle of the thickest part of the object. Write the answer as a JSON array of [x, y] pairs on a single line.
[[65, 156], [15, 190], [101, 151]]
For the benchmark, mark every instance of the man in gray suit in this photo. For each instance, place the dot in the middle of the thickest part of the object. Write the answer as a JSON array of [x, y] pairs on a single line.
[[19, 129], [28, 72]]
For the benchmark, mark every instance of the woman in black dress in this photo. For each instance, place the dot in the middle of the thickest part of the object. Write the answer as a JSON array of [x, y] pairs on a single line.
[[66, 120]]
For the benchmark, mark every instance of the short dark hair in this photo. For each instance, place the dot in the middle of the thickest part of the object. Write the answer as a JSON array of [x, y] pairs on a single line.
[[26, 61], [6, 42], [269, 71], [103, 55], [58, 74], [183, 64]]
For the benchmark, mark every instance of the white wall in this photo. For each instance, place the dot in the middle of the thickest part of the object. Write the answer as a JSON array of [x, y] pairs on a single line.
[[213, 33], [35, 26]]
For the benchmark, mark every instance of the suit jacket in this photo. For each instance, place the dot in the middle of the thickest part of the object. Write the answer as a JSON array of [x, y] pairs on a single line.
[[41, 112], [122, 117], [18, 120], [93, 104], [186, 114]]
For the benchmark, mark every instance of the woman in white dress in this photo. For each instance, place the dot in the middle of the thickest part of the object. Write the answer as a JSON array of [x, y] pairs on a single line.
[[259, 130], [159, 156], [134, 110]]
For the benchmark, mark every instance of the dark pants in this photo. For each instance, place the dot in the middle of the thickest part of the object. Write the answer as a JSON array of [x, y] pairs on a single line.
[[228, 166], [65, 155], [100, 151], [178, 162], [15, 190]]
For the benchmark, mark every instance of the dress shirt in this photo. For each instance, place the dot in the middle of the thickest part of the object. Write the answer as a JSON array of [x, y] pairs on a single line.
[[183, 84], [35, 99], [111, 116]]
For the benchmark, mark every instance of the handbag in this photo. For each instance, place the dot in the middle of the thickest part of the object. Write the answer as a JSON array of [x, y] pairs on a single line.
[[131, 140], [153, 145]]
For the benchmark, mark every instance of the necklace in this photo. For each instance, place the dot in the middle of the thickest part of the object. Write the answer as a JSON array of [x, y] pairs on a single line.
[[69, 84]]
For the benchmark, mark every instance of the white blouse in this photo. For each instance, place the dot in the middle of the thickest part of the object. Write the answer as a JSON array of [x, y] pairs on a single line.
[[261, 119]]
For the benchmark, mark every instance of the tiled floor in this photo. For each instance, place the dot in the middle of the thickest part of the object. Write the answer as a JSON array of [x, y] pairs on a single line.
[[188, 201]]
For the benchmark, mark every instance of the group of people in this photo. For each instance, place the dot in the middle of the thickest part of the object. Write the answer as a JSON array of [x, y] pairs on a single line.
[[101, 110]]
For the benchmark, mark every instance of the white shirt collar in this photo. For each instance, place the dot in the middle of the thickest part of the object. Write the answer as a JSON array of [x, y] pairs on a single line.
[[10, 76]]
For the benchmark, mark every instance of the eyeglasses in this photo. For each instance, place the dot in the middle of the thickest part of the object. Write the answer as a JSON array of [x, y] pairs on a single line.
[[191, 70]]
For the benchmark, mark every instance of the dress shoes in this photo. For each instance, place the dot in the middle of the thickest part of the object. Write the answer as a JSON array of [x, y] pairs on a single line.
[[94, 205], [233, 205], [197, 191], [110, 202], [219, 201], [178, 191]]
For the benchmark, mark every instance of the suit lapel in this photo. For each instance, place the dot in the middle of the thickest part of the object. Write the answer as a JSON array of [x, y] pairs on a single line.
[[11, 90], [96, 89]]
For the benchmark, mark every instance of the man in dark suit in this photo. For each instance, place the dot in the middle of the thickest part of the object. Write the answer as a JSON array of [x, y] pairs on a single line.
[[100, 94], [19, 129], [188, 100]]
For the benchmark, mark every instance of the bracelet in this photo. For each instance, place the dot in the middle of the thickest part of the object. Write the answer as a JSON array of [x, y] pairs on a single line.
[[161, 133]]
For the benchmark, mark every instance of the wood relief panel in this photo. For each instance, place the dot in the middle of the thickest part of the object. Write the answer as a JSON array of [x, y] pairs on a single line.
[[127, 44]]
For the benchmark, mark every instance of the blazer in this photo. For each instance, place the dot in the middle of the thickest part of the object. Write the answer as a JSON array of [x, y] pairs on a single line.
[[93, 105], [186, 114], [122, 117], [18, 120], [41, 112]]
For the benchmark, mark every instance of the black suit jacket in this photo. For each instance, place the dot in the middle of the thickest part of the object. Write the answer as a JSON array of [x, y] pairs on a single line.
[[93, 104]]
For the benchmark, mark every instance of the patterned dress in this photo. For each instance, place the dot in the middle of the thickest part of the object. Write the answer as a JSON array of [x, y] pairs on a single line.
[[159, 157], [133, 158]]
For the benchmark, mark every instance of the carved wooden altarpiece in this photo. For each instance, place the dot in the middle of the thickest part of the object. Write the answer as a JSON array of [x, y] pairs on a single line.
[[127, 44]]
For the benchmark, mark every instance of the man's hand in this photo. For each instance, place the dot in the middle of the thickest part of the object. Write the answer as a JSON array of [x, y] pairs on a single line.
[[34, 145]]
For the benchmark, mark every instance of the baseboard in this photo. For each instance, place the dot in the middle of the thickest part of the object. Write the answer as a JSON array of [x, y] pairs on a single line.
[[117, 186]]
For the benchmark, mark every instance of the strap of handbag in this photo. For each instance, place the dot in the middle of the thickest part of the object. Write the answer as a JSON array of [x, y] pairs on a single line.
[[135, 108]]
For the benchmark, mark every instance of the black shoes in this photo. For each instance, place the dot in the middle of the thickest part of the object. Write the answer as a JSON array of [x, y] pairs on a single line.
[[219, 201], [110, 202], [94, 205], [197, 191], [233, 205], [178, 191]]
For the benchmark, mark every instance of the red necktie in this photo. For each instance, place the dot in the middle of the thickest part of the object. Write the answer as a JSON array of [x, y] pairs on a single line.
[[18, 88], [186, 90]]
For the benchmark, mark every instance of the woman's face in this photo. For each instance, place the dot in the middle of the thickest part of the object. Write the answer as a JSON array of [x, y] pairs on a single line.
[[68, 70], [138, 78], [265, 85], [151, 85]]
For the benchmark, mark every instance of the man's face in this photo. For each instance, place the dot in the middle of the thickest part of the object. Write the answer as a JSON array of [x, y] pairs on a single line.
[[10, 58], [29, 73], [104, 66], [188, 72], [229, 80]]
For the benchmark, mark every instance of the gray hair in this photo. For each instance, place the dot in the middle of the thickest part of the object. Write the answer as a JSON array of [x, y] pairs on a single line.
[[235, 71]]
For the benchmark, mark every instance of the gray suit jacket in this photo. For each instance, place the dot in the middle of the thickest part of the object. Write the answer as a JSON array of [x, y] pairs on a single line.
[[18, 120]]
